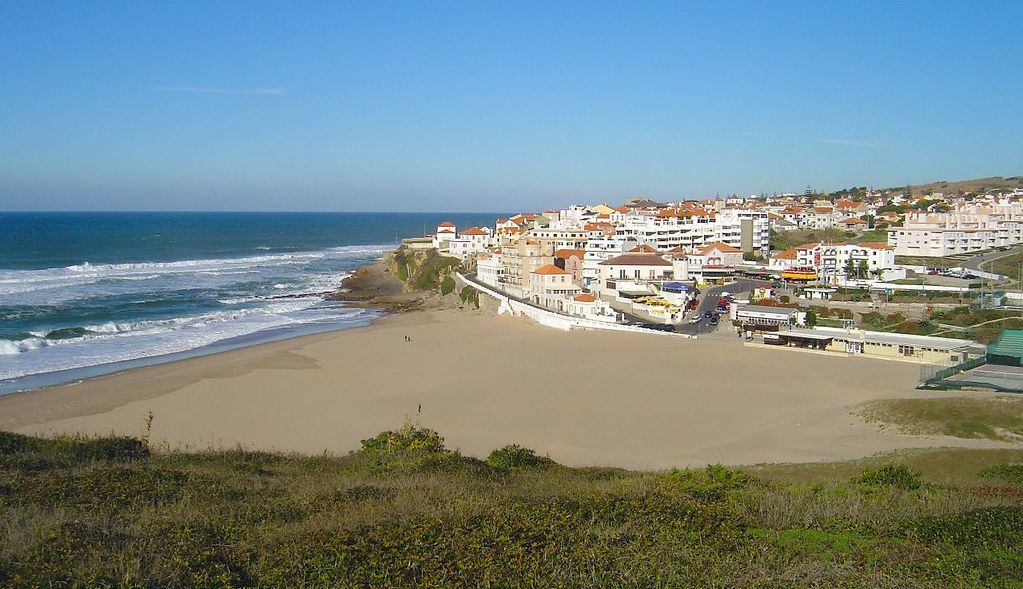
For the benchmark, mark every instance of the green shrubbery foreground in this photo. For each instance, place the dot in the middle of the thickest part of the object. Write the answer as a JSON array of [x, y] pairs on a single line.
[[407, 511]]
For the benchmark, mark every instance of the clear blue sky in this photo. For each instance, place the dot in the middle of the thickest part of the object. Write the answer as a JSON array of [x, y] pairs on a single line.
[[495, 106]]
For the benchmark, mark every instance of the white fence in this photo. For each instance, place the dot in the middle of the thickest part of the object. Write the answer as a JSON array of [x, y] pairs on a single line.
[[557, 320]]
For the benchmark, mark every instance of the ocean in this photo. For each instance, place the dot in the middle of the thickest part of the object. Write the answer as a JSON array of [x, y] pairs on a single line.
[[85, 294]]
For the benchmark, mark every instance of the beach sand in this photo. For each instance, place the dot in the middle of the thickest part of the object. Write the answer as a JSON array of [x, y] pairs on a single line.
[[583, 397]]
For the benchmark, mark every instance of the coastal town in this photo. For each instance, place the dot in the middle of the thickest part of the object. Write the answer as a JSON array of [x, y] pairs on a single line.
[[887, 274]]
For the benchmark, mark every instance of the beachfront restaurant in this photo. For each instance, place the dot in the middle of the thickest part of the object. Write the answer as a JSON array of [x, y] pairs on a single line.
[[889, 346], [798, 339], [764, 318]]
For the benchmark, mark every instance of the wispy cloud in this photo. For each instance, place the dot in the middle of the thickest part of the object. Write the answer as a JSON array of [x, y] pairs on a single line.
[[852, 143], [237, 91]]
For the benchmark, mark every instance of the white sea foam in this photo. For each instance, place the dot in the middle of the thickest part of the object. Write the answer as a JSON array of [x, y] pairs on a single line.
[[205, 301]]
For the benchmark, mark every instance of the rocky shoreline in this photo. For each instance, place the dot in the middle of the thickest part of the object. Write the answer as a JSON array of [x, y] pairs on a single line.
[[376, 287]]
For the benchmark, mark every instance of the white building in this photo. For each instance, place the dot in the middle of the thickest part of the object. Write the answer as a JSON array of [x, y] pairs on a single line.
[[832, 260], [602, 249], [552, 287], [445, 232], [470, 242], [490, 270], [967, 229]]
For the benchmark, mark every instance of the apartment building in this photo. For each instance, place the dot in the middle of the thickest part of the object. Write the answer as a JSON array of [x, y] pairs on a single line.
[[967, 229]]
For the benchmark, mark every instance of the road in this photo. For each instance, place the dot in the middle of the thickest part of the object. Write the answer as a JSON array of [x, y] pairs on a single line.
[[708, 302], [975, 262]]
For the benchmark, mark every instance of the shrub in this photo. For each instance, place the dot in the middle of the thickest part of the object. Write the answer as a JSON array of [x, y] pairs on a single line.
[[515, 456], [76, 449], [1009, 473], [409, 438], [709, 484], [447, 286], [784, 298], [890, 475], [469, 294]]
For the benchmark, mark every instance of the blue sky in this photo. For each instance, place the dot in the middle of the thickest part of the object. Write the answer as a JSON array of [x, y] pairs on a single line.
[[495, 106]]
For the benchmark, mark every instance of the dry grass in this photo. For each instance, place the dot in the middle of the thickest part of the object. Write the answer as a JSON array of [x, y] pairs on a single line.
[[996, 417]]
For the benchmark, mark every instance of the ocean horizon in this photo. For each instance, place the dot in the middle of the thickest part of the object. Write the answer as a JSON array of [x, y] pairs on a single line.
[[84, 294]]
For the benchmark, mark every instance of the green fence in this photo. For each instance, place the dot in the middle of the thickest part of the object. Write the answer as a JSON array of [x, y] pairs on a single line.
[[933, 375]]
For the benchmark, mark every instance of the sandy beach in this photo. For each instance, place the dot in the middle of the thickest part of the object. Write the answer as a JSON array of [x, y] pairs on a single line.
[[584, 398]]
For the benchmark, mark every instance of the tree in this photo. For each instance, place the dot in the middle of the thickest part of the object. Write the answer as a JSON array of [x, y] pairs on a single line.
[[850, 268], [878, 273], [811, 318], [863, 270]]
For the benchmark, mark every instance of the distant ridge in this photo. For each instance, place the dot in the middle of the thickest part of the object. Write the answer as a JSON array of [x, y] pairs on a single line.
[[975, 185]]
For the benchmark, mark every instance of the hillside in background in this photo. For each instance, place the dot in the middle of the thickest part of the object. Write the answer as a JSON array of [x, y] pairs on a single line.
[[963, 186]]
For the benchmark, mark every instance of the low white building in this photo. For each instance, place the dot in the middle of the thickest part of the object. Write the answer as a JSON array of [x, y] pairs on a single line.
[[632, 268], [588, 306], [600, 250]]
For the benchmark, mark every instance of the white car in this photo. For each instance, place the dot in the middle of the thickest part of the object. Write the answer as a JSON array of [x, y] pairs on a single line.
[[724, 294], [696, 318]]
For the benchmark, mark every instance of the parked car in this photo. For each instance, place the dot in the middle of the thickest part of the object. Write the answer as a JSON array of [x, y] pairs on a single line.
[[696, 318], [714, 320], [709, 314]]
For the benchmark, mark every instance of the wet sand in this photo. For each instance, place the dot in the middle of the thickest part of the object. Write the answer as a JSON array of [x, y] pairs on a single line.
[[583, 397]]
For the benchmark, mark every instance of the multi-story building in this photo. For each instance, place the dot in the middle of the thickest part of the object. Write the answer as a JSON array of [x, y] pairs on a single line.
[[967, 229], [601, 249], [832, 260]]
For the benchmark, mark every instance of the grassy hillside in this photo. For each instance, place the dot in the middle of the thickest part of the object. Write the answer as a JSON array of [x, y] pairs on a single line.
[[407, 512], [963, 186]]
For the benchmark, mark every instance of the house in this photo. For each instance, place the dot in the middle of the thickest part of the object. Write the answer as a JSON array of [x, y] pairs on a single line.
[[551, 287], [632, 272], [445, 232], [470, 242], [570, 260], [588, 306], [782, 260], [490, 270], [852, 224]]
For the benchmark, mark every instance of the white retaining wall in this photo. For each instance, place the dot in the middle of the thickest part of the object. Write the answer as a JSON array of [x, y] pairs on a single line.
[[553, 319]]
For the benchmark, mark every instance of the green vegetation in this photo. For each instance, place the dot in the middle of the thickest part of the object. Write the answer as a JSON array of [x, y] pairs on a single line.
[[447, 285], [995, 418], [424, 270], [783, 240], [470, 295], [405, 511], [891, 475], [1007, 266]]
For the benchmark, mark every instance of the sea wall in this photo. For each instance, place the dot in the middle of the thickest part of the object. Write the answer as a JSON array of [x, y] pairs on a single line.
[[550, 318]]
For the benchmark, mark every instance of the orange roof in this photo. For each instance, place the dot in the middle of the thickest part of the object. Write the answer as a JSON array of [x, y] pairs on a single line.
[[807, 246], [446, 224], [786, 255], [622, 209], [585, 298], [549, 270], [721, 247], [642, 249], [567, 253], [853, 221], [474, 231], [445, 231]]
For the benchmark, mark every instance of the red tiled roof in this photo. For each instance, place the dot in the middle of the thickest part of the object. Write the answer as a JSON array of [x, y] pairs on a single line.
[[636, 260], [549, 270], [585, 298]]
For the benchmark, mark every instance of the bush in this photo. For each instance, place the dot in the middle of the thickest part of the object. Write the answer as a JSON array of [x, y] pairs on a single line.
[[469, 294], [447, 286], [1009, 473], [410, 438], [784, 298], [811, 318], [890, 475], [709, 484], [76, 449], [515, 456]]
